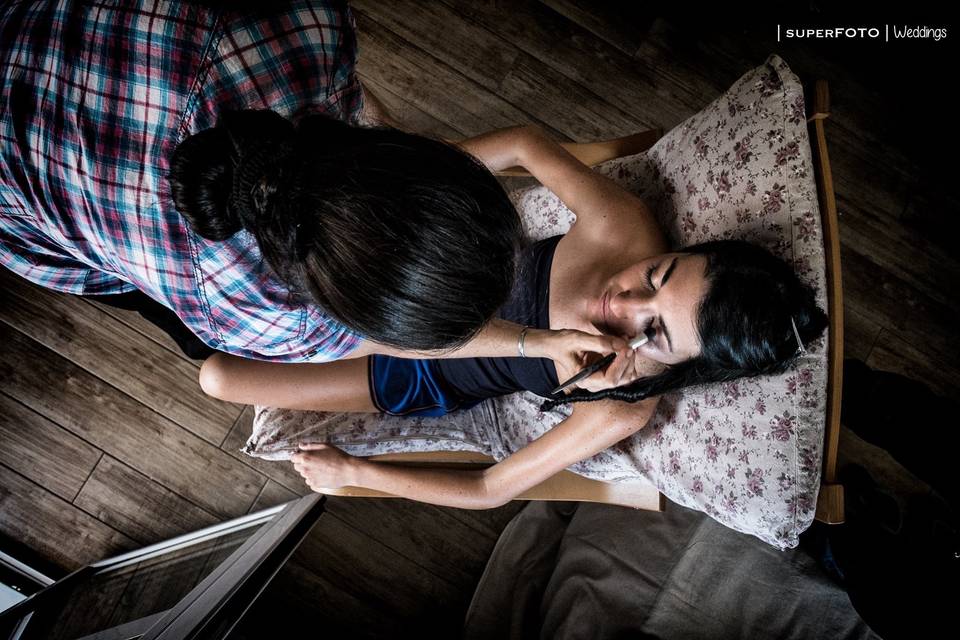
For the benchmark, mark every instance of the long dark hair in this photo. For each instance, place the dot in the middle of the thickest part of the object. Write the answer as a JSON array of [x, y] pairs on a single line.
[[409, 241], [743, 323]]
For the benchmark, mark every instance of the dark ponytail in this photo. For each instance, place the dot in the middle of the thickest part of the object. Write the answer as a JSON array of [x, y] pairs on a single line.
[[407, 240], [743, 322]]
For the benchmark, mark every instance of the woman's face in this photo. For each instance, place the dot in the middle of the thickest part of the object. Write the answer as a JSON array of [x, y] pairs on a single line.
[[659, 295]]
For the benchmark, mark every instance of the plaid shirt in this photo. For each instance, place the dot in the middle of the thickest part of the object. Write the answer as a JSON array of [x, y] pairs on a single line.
[[95, 97]]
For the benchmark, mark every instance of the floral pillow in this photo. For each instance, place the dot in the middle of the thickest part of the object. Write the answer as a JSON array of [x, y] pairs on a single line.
[[747, 453]]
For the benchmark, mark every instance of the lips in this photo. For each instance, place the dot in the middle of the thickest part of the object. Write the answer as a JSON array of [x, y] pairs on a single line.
[[604, 312]]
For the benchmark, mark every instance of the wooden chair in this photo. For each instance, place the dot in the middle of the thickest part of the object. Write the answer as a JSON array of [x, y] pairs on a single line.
[[570, 486], [830, 499]]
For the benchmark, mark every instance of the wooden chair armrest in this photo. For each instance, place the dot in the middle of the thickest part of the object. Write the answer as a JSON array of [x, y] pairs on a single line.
[[830, 499]]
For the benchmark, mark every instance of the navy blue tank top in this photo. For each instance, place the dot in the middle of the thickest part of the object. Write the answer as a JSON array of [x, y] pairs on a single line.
[[529, 304]]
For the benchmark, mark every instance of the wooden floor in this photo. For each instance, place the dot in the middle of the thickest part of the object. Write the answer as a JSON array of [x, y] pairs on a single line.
[[107, 443]]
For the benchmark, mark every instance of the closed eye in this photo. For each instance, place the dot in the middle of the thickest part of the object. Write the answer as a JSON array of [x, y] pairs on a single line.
[[650, 272]]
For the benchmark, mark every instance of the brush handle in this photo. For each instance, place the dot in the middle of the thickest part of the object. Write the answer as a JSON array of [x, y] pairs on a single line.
[[586, 372]]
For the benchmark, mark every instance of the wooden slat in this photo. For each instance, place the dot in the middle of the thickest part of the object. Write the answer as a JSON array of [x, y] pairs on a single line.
[[476, 53], [545, 95], [423, 534], [272, 494], [42, 451], [515, 76], [53, 527], [146, 328], [830, 503], [928, 326], [409, 116], [860, 332], [116, 354], [617, 23], [898, 353], [391, 584], [124, 428], [914, 259], [299, 593], [430, 85], [640, 88], [135, 505]]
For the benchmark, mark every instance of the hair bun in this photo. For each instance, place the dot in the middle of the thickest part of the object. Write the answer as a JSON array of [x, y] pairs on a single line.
[[206, 166], [201, 180]]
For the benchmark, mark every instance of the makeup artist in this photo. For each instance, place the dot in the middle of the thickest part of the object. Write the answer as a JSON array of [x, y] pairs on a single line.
[[203, 165]]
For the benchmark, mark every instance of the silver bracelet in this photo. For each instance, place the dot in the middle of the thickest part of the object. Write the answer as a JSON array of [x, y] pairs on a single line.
[[523, 336]]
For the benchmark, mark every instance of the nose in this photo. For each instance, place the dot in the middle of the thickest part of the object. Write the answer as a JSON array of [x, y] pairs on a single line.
[[631, 304]]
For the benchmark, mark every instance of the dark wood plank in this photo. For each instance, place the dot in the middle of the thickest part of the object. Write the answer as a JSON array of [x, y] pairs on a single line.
[[125, 429], [135, 505], [299, 593], [116, 354], [618, 23], [423, 534], [918, 263], [272, 494], [488, 523], [641, 88], [897, 352], [431, 85], [546, 95], [497, 65], [859, 333], [51, 526], [391, 584], [146, 328], [42, 451], [476, 53], [409, 116], [894, 304]]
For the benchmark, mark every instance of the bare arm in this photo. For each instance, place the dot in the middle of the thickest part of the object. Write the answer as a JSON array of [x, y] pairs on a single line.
[[603, 208], [341, 386], [592, 428]]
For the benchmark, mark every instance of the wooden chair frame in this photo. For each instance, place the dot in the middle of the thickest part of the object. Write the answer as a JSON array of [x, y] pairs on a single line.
[[566, 485]]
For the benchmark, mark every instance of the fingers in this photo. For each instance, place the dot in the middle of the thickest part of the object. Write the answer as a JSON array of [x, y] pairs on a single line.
[[614, 375], [599, 343]]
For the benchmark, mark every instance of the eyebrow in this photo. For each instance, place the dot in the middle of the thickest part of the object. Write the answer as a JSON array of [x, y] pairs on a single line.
[[663, 281]]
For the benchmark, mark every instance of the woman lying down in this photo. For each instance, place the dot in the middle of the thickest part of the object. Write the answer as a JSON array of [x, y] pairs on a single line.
[[712, 312]]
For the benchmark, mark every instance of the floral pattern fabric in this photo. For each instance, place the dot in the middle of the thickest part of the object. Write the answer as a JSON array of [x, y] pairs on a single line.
[[748, 452]]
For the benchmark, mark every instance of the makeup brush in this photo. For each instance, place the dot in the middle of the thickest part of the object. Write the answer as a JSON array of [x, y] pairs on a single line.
[[589, 370]]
